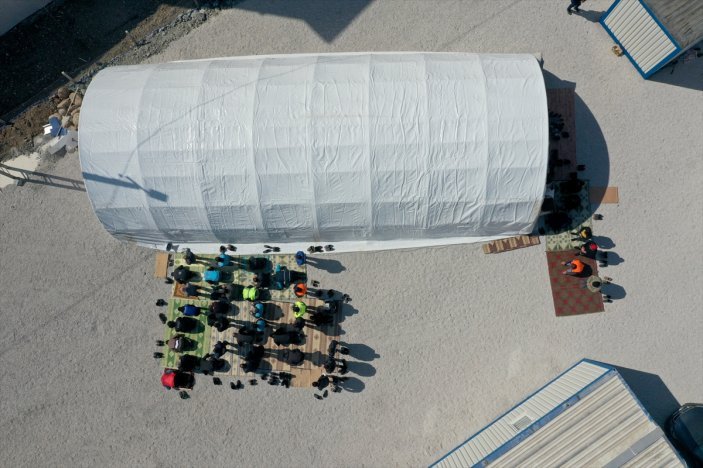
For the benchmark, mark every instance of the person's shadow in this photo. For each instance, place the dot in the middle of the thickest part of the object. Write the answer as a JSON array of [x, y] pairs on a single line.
[[362, 369], [604, 242], [352, 385], [615, 291], [591, 15], [362, 352], [329, 265], [613, 258]]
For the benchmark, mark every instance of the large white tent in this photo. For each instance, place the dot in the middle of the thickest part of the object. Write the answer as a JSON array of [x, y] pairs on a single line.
[[362, 150]]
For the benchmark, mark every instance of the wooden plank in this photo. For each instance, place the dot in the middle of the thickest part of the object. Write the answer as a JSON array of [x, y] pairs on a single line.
[[511, 243], [161, 264], [604, 195]]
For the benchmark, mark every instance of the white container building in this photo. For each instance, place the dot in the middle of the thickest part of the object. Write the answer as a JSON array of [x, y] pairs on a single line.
[[587, 416], [654, 32]]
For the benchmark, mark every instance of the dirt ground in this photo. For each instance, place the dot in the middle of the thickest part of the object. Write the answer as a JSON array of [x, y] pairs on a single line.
[[78, 37]]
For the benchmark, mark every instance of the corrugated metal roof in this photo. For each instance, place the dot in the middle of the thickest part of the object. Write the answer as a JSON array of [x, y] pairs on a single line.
[[535, 407], [590, 418], [682, 18], [603, 426], [645, 41], [658, 454]]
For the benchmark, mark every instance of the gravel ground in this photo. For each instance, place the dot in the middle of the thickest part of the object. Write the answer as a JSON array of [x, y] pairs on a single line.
[[447, 338]]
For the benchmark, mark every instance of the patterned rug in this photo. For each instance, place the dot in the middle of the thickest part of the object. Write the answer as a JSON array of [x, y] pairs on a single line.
[[201, 337], [278, 311], [239, 274], [511, 243], [569, 293]]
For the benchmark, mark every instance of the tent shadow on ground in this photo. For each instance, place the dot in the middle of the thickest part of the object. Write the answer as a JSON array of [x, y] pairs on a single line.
[[686, 75], [328, 19], [591, 148], [651, 392], [329, 265]]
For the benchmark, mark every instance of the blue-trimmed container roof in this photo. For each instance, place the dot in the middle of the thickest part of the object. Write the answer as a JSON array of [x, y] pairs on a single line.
[[607, 425]]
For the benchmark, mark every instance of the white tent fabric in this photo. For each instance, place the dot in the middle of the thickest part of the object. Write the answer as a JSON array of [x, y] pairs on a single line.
[[363, 150]]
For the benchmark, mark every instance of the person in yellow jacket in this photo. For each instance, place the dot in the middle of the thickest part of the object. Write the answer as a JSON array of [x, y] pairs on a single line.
[[250, 293], [299, 309]]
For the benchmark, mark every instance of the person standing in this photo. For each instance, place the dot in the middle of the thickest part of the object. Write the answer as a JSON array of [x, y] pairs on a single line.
[[583, 234], [575, 4], [299, 309], [576, 267]]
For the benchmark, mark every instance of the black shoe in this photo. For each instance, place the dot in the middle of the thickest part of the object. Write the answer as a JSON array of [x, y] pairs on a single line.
[[169, 246], [253, 382], [329, 247], [183, 394], [216, 381], [311, 249], [163, 318], [318, 396], [233, 386], [158, 355], [168, 281], [267, 251], [276, 249], [324, 395], [160, 303], [316, 283], [231, 248], [569, 12]]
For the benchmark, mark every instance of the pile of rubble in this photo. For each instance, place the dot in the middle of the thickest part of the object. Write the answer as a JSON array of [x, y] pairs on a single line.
[[68, 107]]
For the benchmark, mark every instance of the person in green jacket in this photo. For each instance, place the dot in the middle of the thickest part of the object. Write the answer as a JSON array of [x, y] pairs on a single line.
[[299, 309], [250, 293]]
